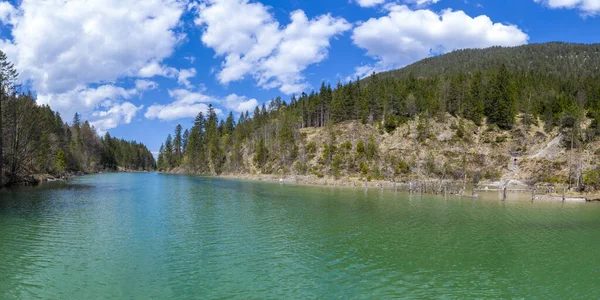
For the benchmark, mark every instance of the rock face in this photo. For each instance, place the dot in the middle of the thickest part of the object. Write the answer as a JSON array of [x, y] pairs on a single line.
[[448, 149]]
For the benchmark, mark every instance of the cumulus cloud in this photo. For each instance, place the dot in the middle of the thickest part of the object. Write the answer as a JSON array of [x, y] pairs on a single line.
[[187, 104], [86, 100], [154, 68], [369, 3], [405, 35], [62, 44], [587, 7], [422, 2], [145, 85], [251, 42], [122, 113], [239, 104], [6, 12], [372, 3], [73, 51], [185, 75]]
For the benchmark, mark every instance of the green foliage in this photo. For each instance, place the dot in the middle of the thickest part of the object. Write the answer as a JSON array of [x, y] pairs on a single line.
[[491, 174], [376, 173], [329, 151], [391, 123], [555, 59], [400, 166], [486, 86], [371, 148], [301, 168], [311, 150], [260, 154], [423, 132], [61, 161], [591, 178], [461, 131], [364, 169], [34, 139], [346, 146], [336, 165], [501, 102], [360, 149]]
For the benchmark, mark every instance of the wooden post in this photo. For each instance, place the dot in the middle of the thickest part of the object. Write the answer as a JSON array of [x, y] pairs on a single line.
[[504, 193], [533, 194], [564, 193]]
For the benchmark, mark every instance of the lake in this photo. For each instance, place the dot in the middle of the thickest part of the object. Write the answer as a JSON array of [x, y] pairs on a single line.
[[156, 236]]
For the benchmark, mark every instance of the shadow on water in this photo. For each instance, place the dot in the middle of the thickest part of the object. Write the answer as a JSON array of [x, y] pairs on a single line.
[[45, 195]]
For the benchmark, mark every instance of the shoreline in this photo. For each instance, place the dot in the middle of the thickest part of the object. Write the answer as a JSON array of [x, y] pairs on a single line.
[[33, 180], [429, 187]]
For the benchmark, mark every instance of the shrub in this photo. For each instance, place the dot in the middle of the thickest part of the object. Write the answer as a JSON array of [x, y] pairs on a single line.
[[364, 169], [591, 177]]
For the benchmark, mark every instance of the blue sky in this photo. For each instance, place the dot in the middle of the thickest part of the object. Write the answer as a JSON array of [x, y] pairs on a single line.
[[137, 68]]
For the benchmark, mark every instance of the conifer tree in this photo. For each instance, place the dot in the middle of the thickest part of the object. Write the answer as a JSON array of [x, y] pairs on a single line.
[[501, 106]]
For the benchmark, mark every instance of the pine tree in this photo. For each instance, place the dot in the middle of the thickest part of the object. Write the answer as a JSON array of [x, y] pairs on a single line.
[[229, 124], [474, 108], [168, 156], [501, 107], [178, 141], [185, 140], [338, 105], [213, 136]]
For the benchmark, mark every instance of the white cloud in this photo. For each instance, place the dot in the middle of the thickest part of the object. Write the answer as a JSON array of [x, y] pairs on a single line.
[[251, 42], [185, 75], [422, 2], [190, 58], [96, 104], [6, 12], [369, 3], [372, 3], [63, 44], [153, 69], [187, 104], [238, 104], [145, 85], [72, 52], [122, 113], [405, 35], [587, 7]]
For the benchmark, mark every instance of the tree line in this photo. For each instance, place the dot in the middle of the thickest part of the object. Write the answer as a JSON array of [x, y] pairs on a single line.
[[36, 140], [497, 96]]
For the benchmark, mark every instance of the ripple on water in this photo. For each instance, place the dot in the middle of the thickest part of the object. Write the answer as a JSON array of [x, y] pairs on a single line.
[[177, 237]]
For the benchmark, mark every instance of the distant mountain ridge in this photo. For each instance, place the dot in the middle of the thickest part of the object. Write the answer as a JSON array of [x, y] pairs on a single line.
[[556, 58]]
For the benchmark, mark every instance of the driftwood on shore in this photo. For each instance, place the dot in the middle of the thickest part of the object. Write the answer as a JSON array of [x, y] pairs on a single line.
[[432, 187]]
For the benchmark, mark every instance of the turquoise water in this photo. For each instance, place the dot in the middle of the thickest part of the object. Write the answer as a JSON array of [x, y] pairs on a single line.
[[154, 236]]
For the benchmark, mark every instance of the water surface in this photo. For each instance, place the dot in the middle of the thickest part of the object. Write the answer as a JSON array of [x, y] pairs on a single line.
[[154, 236]]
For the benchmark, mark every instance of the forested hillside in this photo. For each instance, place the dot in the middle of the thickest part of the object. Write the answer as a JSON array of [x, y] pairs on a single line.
[[36, 140], [558, 59], [494, 103]]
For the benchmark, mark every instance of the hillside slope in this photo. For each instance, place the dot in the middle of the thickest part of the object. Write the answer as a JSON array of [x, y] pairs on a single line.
[[452, 149], [530, 114], [558, 59]]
